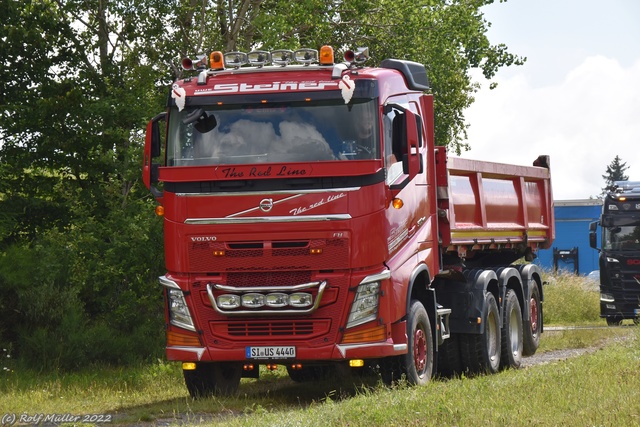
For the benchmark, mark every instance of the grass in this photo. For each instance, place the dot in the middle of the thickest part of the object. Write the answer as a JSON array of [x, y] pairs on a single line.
[[600, 388], [571, 300]]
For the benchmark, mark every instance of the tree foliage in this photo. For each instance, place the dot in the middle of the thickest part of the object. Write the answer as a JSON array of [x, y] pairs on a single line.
[[615, 172], [79, 250]]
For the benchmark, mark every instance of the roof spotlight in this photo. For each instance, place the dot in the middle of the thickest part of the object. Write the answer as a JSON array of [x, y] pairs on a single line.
[[235, 59], [282, 57], [259, 58]]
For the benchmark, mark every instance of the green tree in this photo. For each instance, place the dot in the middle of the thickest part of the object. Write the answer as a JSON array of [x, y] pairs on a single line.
[[615, 172], [76, 234], [79, 244]]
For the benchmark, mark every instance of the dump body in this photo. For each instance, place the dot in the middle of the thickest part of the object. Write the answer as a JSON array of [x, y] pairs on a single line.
[[311, 221], [486, 208]]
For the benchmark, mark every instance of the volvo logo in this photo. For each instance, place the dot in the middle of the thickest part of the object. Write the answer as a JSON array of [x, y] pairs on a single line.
[[266, 205]]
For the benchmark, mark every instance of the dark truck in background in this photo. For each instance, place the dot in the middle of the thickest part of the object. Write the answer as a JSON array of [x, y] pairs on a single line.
[[620, 253]]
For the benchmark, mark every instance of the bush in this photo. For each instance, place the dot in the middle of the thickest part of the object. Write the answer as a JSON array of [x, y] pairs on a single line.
[[570, 300], [86, 295]]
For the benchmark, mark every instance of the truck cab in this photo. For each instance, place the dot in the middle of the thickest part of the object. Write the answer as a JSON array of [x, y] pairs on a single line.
[[619, 257]]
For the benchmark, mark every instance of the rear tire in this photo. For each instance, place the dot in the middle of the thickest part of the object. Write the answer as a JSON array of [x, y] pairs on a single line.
[[512, 341], [449, 363], [480, 353], [209, 379], [533, 327]]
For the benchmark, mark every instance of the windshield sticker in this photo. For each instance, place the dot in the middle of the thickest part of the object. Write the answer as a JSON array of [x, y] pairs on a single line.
[[179, 95], [323, 201], [347, 86]]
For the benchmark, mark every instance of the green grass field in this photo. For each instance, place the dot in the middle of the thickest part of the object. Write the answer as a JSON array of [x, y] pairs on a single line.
[[598, 388]]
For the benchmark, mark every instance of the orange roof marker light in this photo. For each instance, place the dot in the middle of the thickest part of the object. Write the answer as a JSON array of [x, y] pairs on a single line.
[[216, 60], [326, 55]]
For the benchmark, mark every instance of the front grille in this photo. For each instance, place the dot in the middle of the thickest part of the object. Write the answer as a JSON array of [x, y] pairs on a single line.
[[271, 328], [269, 278], [268, 255]]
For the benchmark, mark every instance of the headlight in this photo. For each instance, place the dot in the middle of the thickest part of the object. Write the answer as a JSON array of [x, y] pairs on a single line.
[[178, 310], [229, 302], [300, 300], [253, 300], [365, 305], [607, 298]]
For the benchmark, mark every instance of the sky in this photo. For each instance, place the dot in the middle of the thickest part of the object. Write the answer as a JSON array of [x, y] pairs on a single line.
[[576, 98]]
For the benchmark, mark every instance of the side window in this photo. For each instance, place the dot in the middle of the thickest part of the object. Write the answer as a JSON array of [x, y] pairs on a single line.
[[392, 151]]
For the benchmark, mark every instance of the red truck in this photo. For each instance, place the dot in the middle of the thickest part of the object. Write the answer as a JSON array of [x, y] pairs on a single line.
[[310, 221]]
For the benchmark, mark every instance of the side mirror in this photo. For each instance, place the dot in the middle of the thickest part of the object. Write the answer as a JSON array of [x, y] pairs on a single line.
[[593, 238], [411, 160], [152, 149], [407, 139]]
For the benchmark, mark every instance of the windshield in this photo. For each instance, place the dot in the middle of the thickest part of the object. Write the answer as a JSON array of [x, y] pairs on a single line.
[[622, 235], [261, 133]]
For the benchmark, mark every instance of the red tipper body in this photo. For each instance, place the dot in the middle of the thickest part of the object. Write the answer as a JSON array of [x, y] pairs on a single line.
[[290, 240]]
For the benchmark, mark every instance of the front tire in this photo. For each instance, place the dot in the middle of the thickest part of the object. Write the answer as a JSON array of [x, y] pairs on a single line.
[[615, 321], [418, 362], [209, 379]]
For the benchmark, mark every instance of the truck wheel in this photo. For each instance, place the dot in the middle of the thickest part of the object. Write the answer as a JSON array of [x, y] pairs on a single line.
[[511, 332], [449, 363], [614, 321], [308, 373], [481, 352], [210, 379], [533, 327], [418, 362]]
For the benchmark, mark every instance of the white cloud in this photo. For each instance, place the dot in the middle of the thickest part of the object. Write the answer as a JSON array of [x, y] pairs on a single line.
[[583, 122]]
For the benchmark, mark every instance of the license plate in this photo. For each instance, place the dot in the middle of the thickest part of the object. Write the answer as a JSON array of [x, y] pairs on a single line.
[[273, 352]]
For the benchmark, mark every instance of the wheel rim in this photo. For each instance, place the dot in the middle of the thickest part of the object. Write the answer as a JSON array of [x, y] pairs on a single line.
[[514, 333], [419, 350], [492, 334], [534, 315]]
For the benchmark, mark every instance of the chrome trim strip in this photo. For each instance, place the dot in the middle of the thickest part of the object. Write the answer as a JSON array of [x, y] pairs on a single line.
[[343, 348], [294, 288], [267, 219], [183, 325], [257, 208], [386, 274], [267, 193], [168, 283], [316, 304]]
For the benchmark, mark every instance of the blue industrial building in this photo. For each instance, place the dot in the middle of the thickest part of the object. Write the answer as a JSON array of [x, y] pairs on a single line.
[[570, 250]]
